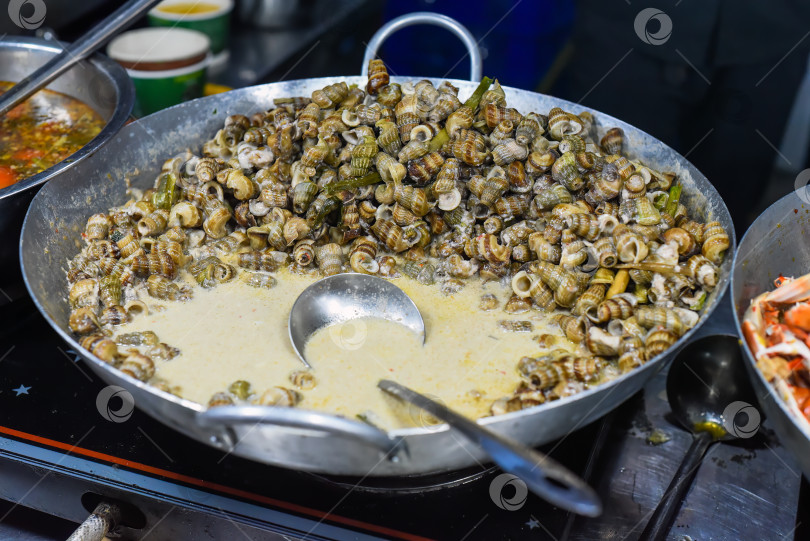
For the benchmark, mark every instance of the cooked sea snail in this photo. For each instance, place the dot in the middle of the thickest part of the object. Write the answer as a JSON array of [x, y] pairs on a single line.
[[409, 181]]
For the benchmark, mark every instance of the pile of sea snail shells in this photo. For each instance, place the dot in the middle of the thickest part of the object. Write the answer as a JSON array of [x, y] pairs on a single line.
[[407, 179]]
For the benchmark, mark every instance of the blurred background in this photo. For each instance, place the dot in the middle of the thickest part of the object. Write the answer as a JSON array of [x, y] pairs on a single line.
[[724, 83]]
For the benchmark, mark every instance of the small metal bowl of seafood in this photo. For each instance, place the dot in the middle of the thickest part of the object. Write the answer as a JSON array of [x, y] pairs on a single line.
[[770, 288], [94, 100], [571, 251]]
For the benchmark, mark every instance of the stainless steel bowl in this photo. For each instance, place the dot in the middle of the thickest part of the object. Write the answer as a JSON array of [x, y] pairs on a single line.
[[99, 82], [776, 243]]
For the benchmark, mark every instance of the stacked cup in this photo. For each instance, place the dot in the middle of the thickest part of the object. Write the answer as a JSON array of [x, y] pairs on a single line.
[[168, 62]]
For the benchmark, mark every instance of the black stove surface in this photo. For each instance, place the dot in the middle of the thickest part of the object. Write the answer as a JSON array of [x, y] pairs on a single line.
[[48, 400]]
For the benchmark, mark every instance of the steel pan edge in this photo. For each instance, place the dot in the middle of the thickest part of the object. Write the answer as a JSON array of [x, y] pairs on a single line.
[[429, 451], [777, 242]]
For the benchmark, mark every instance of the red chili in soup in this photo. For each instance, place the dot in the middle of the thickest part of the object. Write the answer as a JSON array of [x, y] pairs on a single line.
[[41, 132]]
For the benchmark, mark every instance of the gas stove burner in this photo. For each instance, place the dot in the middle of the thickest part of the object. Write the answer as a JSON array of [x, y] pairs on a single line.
[[409, 484]]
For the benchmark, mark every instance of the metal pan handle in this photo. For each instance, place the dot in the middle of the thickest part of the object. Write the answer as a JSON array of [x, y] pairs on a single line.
[[426, 17], [227, 416]]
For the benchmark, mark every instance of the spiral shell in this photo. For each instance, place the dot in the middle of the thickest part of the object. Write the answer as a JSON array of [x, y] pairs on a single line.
[[83, 320], [414, 199], [407, 115], [470, 148], [391, 235], [612, 141], [421, 170], [295, 229], [584, 225], [509, 151], [220, 399], [566, 172], [377, 76], [112, 267], [574, 328], [214, 224], [583, 369], [447, 103], [552, 196], [303, 195], [511, 205], [495, 114], [138, 366], [618, 307], [562, 282], [715, 242], [362, 256], [329, 258], [308, 120], [84, 292], [561, 123], [114, 315], [541, 375], [362, 155], [656, 316], [574, 254], [258, 279], [161, 287], [703, 271], [100, 346], [303, 379], [527, 129], [589, 300], [630, 246], [389, 139], [330, 95], [659, 341], [97, 227], [109, 290], [256, 260], [486, 247], [389, 95], [154, 223], [460, 119]]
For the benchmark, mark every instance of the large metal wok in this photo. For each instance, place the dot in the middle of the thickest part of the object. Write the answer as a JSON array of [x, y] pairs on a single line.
[[56, 218], [99, 82], [775, 244]]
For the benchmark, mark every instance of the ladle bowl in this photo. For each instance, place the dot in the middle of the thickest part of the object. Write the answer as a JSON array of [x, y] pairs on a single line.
[[346, 297]]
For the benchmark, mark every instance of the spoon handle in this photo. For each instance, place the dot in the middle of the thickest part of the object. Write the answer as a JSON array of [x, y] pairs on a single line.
[[543, 475], [661, 520]]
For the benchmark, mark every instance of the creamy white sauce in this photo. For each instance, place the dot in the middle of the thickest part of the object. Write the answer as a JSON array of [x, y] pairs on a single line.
[[234, 332]]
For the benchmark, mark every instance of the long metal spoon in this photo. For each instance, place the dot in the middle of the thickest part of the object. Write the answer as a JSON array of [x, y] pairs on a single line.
[[344, 297], [542, 474], [78, 50], [710, 395]]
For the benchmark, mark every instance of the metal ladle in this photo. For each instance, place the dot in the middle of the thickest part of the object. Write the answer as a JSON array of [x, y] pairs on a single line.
[[343, 297], [708, 390]]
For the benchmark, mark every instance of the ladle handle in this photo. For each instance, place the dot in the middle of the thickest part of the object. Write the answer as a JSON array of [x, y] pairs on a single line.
[[658, 526], [228, 416], [543, 475], [80, 49]]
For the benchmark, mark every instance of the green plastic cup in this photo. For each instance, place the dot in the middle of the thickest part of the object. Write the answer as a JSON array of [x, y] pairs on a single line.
[[166, 65], [157, 90], [211, 17]]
